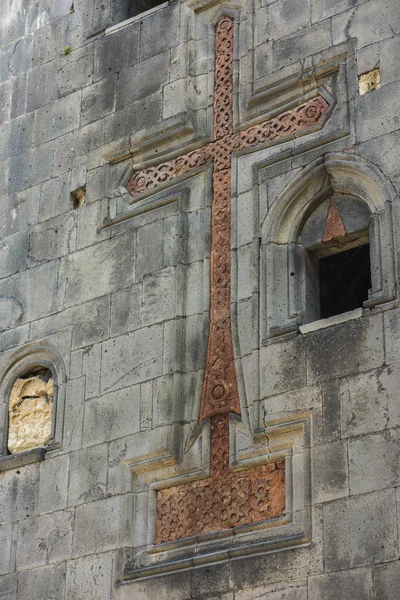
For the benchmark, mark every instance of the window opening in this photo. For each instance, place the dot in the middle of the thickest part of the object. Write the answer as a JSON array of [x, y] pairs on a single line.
[[136, 7], [344, 281]]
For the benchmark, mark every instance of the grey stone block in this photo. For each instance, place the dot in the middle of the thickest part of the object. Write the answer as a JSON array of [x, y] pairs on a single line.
[[366, 24], [53, 484], [290, 49], [356, 584], [163, 401], [331, 411], [112, 416], [134, 117], [159, 31], [135, 84], [17, 136], [387, 581], [214, 578], [116, 51], [360, 530], [42, 86], [57, 118], [93, 272], [44, 540], [53, 239], [159, 297], [8, 587], [75, 71], [175, 98], [5, 541], [88, 475], [18, 493], [30, 168], [282, 367], [126, 307], [73, 421], [68, 149], [344, 349], [132, 358], [45, 582], [27, 288], [91, 367], [98, 526], [54, 198], [294, 591], [286, 18], [98, 100], [90, 577], [13, 253], [19, 94], [376, 113], [5, 101], [11, 313], [364, 407], [149, 248], [15, 58], [374, 462], [176, 586], [330, 472]]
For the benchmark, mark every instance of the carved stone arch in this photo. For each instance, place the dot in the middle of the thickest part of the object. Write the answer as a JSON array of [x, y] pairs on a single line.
[[283, 307], [26, 360]]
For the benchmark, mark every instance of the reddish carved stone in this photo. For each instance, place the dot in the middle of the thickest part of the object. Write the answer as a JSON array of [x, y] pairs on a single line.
[[228, 498], [334, 226]]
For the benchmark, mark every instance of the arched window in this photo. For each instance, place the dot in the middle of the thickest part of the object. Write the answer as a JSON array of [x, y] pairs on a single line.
[[327, 245]]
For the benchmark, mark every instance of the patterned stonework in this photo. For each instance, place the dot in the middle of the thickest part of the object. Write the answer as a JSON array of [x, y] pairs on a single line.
[[228, 498], [30, 413]]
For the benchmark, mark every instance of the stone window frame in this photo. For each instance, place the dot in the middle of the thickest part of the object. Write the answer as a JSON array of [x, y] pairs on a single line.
[[26, 359], [283, 294]]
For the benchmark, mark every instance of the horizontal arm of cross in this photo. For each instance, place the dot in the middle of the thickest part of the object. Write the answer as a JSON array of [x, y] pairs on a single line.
[[302, 117]]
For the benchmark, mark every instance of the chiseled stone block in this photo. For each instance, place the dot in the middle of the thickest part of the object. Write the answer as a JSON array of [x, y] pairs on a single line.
[[360, 530], [89, 578], [45, 539], [44, 582], [356, 584]]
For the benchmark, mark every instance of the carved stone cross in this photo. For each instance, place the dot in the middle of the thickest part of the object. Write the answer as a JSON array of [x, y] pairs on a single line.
[[228, 498]]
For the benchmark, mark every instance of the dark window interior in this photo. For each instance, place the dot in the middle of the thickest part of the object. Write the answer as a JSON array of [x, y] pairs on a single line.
[[344, 281], [136, 7]]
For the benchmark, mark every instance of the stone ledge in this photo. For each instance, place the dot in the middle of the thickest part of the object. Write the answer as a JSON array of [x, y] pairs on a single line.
[[14, 461]]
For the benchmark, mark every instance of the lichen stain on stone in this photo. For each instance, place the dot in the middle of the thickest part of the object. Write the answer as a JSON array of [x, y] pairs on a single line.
[[30, 412]]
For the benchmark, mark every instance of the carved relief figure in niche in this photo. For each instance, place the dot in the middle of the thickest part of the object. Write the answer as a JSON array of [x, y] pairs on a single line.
[[30, 410]]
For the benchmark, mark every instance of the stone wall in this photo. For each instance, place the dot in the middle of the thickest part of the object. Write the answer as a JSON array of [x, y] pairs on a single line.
[[111, 293]]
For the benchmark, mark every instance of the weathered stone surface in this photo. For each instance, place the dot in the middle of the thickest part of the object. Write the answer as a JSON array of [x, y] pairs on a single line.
[[127, 306], [97, 525], [30, 412], [89, 577], [359, 530], [45, 540], [355, 584], [47, 582]]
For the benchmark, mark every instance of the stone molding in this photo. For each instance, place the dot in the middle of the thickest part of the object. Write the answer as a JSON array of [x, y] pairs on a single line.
[[287, 439]]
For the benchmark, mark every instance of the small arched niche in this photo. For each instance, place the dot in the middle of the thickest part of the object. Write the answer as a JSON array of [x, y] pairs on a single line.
[[30, 410], [327, 245], [32, 393]]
